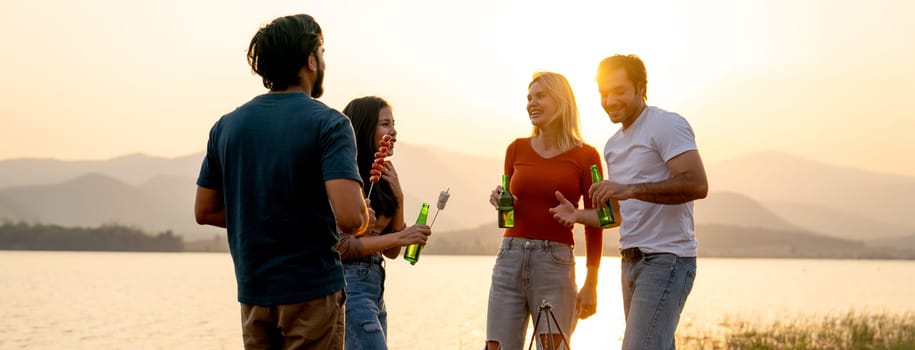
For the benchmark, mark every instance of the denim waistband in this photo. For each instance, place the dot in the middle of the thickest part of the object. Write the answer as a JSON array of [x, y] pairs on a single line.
[[520, 242], [369, 259]]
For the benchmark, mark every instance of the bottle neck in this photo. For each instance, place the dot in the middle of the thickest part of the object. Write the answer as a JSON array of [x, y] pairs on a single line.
[[423, 214], [595, 175]]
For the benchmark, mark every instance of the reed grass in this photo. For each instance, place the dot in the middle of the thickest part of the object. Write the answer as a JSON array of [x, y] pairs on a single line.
[[849, 331]]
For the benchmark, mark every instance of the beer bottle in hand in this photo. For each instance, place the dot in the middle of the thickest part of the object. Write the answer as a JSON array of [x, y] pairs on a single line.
[[506, 206], [605, 214], [411, 254]]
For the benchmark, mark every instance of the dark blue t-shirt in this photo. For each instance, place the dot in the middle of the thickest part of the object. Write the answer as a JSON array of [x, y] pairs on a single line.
[[270, 158]]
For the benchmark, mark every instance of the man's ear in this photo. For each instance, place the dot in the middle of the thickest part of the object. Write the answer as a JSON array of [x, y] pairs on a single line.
[[312, 63]]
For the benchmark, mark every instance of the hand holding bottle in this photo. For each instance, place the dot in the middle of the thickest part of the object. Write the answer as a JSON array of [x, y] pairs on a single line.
[[605, 190], [506, 205], [412, 252], [603, 207], [494, 197], [414, 234]]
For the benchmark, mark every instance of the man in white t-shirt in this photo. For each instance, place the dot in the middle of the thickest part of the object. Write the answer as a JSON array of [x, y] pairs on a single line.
[[655, 173]]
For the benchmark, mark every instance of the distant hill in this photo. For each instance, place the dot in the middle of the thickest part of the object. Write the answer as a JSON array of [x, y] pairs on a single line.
[[764, 191], [895, 243], [837, 223], [424, 172], [10, 210], [777, 176], [734, 209], [729, 241], [173, 190], [132, 169], [159, 195], [95, 199]]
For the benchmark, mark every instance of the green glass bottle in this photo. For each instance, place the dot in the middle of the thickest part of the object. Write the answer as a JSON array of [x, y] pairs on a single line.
[[605, 214], [411, 254], [506, 206]]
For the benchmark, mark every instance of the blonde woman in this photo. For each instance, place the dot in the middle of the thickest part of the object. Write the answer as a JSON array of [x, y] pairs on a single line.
[[535, 261]]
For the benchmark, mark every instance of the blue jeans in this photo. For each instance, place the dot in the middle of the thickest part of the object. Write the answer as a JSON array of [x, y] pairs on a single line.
[[526, 272], [655, 287], [366, 317]]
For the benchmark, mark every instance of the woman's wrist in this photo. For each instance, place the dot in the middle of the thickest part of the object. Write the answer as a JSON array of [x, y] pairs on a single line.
[[591, 276]]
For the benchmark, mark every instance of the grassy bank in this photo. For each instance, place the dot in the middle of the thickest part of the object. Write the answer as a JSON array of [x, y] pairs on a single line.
[[853, 330]]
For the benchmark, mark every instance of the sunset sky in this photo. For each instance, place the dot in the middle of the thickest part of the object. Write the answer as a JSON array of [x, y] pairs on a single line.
[[825, 80]]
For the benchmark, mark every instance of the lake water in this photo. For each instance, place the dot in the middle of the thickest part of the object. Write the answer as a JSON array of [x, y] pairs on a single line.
[[94, 300]]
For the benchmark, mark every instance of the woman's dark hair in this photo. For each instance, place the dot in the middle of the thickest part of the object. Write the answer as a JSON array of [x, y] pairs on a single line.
[[279, 50], [363, 112]]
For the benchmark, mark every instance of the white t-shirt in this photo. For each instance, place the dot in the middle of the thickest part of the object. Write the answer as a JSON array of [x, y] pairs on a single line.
[[638, 155]]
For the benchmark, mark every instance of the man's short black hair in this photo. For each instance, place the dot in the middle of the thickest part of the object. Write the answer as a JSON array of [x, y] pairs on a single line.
[[279, 50]]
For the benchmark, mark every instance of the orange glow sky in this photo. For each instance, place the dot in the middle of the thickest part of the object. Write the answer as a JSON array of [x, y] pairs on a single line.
[[826, 80]]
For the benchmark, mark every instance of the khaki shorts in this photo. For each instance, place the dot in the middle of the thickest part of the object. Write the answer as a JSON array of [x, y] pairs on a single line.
[[314, 324]]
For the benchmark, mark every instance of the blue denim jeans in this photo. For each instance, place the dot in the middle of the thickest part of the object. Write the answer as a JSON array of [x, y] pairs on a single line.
[[655, 287], [526, 272], [366, 317]]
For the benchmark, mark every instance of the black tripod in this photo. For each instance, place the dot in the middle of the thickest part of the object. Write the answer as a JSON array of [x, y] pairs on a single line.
[[547, 308]]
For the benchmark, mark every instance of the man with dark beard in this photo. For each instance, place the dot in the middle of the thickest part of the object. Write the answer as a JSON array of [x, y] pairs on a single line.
[[280, 175]]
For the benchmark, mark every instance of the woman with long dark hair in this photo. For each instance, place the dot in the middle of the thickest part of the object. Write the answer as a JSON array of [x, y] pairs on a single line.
[[363, 256]]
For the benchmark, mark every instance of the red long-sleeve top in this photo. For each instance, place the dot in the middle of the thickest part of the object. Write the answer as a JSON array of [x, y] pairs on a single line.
[[534, 181]]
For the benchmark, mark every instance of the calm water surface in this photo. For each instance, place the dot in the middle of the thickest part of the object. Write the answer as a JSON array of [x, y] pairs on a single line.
[[92, 300]]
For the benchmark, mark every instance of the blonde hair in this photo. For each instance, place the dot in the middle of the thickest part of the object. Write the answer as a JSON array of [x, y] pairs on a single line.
[[558, 88]]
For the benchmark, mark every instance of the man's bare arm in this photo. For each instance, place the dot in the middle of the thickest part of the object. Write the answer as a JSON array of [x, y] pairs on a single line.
[[208, 207], [349, 206], [687, 182]]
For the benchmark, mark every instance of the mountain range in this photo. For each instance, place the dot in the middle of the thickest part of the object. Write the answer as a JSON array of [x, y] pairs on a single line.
[[777, 178], [772, 194]]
